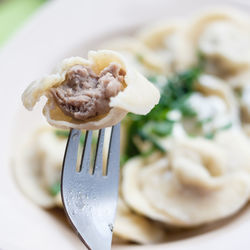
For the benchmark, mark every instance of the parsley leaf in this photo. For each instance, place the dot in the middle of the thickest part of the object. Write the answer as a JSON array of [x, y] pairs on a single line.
[[55, 188], [151, 127]]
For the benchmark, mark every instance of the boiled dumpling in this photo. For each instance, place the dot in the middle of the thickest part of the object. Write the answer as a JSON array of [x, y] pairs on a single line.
[[225, 42], [133, 194], [133, 227], [241, 84], [138, 55], [240, 81], [168, 41], [190, 187], [212, 86], [214, 104], [94, 93], [223, 37], [37, 167], [237, 148]]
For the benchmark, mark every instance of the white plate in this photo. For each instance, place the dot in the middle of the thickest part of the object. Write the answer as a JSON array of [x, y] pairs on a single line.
[[63, 28]]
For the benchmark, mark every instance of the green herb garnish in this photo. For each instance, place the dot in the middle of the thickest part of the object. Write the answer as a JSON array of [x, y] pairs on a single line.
[[55, 188], [204, 121], [155, 125], [62, 133], [227, 126], [211, 135]]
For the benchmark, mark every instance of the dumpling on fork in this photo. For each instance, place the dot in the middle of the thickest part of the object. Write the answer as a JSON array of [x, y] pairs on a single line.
[[93, 93]]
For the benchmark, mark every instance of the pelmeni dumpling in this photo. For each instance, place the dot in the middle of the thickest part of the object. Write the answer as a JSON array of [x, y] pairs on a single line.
[[240, 81], [226, 42], [169, 42], [213, 86], [214, 104], [223, 37], [138, 55], [37, 167], [133, 194], [237, 148], [241, 84], [93, 93], [245, 105], [189, 188], [133, 227]]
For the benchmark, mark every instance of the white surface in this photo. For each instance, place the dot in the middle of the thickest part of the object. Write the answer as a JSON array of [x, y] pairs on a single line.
[[60, 29]]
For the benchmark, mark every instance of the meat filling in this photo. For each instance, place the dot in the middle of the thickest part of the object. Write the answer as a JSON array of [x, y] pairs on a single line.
[[84, 94]]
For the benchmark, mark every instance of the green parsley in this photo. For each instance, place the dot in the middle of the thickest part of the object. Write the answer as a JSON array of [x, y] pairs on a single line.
[[211, 135], [62, 133], [204, 121], [155, 125], [55, 189]]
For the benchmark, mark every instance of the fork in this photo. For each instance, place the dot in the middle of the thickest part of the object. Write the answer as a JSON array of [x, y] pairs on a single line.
[[90, 197]]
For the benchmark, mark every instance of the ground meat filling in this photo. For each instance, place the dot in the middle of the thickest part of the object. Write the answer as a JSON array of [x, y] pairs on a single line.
[[84, 94]]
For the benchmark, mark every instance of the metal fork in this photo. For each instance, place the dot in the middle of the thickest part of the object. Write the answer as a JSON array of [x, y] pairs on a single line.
[[90, 198]]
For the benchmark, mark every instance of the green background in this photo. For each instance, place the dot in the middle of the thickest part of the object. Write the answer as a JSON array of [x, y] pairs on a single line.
[[13, 14]]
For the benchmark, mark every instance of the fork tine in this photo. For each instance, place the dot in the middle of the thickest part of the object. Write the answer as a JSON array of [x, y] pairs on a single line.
[[70, 157], [86, 155], [113, 163], [98, 157]]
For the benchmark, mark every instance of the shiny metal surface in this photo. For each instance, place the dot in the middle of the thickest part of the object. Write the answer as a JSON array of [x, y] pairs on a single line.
[[90, 197]]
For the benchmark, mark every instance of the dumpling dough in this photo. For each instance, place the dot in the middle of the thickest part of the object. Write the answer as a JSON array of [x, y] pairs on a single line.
[[93, 93], [169, 42], [240, 81], [215, 106], [37, 167], [138, 55], [223, 37], [132, 193], [226, 42], [133, 227], [237, 147], [189, 187], [212, 86], [241, 84]]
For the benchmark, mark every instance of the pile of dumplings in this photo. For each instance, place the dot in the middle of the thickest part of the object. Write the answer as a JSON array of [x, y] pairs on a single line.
[[199, 180]]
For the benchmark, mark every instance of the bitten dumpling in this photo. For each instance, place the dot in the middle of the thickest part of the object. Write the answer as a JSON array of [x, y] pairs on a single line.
[[93, 93]]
